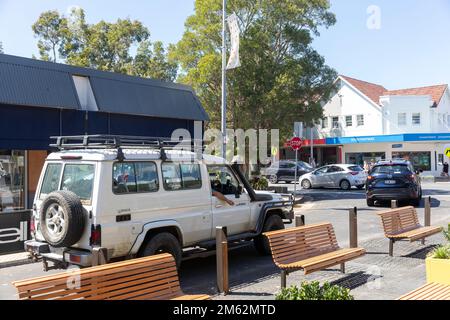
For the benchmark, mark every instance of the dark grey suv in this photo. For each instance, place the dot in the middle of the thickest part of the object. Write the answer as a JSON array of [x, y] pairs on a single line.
[[284, 170], [394, 180]]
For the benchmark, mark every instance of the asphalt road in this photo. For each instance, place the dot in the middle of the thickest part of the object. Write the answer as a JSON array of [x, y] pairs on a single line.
[[247, 267]]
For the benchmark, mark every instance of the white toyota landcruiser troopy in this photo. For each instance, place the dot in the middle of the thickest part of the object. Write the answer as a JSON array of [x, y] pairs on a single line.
[[102, 198]]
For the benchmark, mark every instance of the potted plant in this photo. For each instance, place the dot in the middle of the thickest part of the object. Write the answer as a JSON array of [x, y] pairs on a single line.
[[314, 291], [438, 262]]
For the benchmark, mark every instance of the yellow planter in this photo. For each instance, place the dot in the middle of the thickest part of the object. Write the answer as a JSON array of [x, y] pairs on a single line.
[[438, 270]]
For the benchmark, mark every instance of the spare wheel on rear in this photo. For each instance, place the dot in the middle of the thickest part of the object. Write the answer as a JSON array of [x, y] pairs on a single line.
[[62, 218]]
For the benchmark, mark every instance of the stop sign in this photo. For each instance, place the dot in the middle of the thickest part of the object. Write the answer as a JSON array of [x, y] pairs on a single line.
[[296, 143]]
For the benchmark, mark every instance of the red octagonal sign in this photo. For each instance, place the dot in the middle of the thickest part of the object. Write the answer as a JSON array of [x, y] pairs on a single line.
[[296, 143]]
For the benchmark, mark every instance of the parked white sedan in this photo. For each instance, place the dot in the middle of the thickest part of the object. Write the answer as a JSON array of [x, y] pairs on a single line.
[[344, 176]]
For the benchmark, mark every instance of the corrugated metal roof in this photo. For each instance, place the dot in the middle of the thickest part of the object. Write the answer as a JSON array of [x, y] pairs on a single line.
[[32, 82], [30, 86]]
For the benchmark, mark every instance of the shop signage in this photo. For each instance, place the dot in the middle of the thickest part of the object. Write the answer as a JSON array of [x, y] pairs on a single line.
[[397, 146], [14, 231], [413, 137]]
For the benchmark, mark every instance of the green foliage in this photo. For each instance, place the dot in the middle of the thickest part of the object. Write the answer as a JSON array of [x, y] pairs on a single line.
[[259, 183], [441, 252], [1, 47], [104, 45], [314, 291], [281, 79], [447, 233], [50, 28]]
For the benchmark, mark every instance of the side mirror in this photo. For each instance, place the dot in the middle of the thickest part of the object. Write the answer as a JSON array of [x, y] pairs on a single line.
[[238, 192]]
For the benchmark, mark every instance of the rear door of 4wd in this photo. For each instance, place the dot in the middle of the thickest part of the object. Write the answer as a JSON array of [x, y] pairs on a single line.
[[237, 217]]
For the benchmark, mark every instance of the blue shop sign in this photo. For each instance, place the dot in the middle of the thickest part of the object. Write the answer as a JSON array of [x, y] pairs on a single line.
[[412, 137]]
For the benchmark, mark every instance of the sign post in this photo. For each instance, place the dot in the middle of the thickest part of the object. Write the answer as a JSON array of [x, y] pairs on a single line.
[[296, 144]]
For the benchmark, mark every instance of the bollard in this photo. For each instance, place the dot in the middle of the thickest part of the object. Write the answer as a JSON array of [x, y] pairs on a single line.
[[353, 227], [222, 260], [394, 204], [427, 211], [300, 221], [427, 214]]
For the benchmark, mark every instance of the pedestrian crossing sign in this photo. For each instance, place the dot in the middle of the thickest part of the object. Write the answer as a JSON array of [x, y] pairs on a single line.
[[447, 152]]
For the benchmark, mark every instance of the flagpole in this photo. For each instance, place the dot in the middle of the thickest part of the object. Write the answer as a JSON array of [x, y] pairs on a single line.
[[224, 80]]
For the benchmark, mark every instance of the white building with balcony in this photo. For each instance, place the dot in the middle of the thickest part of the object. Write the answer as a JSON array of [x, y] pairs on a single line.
[[366, 122]]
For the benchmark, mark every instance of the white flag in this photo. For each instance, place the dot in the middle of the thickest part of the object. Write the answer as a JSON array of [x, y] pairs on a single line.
[[234, 61]]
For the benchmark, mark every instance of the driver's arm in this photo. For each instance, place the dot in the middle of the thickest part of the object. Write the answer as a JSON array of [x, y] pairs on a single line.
[[221, 197]]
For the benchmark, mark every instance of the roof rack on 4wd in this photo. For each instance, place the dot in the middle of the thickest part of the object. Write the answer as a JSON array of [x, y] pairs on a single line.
[[118, 142]]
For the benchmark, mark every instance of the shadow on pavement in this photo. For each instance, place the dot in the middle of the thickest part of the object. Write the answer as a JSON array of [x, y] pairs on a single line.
[[421, 253], [355, 280], [199, 275]]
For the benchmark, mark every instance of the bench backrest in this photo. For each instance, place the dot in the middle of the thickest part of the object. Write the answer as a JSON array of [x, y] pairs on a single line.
[[399, 220], [149, 278], [300, 243]]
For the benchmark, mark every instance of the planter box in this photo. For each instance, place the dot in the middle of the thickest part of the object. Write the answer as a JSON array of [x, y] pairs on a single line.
[[438, 270]]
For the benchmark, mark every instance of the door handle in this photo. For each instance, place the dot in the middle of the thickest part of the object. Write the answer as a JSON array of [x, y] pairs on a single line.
[[219, 206]]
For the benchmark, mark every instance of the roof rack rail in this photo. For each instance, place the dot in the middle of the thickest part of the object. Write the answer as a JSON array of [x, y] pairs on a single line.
[[118, 141]]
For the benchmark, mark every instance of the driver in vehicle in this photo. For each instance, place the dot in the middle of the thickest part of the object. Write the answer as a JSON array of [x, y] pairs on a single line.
[[215, 186]]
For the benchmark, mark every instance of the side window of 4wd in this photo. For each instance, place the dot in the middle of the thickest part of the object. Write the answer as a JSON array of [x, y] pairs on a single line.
[[51, 179], [124, 178], [182, 176], [133, 177]]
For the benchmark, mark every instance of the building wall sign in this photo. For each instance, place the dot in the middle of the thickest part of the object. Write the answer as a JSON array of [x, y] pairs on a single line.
[[14, 231], [389, 138]]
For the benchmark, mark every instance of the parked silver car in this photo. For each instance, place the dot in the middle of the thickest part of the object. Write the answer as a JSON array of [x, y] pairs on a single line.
[[344, 176]]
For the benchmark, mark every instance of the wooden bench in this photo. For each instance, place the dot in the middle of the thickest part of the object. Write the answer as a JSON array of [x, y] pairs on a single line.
[[403, 224], [430, 291], [310, 248], [149, 278]]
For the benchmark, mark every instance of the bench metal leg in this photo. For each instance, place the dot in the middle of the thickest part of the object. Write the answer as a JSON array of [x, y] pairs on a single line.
[[343, 267], [284, 274], [391, 247], [423, 241]]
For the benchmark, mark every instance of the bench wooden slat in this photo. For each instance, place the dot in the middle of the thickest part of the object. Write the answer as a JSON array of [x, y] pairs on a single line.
[[311, 248], [403, 223], [430, 291], [153, 277], [89, 283], [418, 233], [325, 260]]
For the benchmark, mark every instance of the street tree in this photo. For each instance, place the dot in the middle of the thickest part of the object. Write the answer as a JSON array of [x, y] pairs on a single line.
[[1, 47], [282, 78], [50, 29], [106, 46]]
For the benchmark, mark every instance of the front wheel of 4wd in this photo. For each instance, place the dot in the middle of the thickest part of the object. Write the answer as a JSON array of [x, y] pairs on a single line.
[[273, 223], [163, 242]]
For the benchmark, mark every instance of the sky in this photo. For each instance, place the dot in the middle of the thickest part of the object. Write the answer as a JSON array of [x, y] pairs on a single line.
[[398, 44]]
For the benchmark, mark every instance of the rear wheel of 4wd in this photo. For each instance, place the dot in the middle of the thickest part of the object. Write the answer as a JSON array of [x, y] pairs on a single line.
[[62, 219], [273, 223], [163, 242]]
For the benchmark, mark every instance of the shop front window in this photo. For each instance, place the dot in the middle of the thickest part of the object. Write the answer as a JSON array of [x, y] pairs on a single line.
[[362, 159], [420, 160], [12, 180]]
